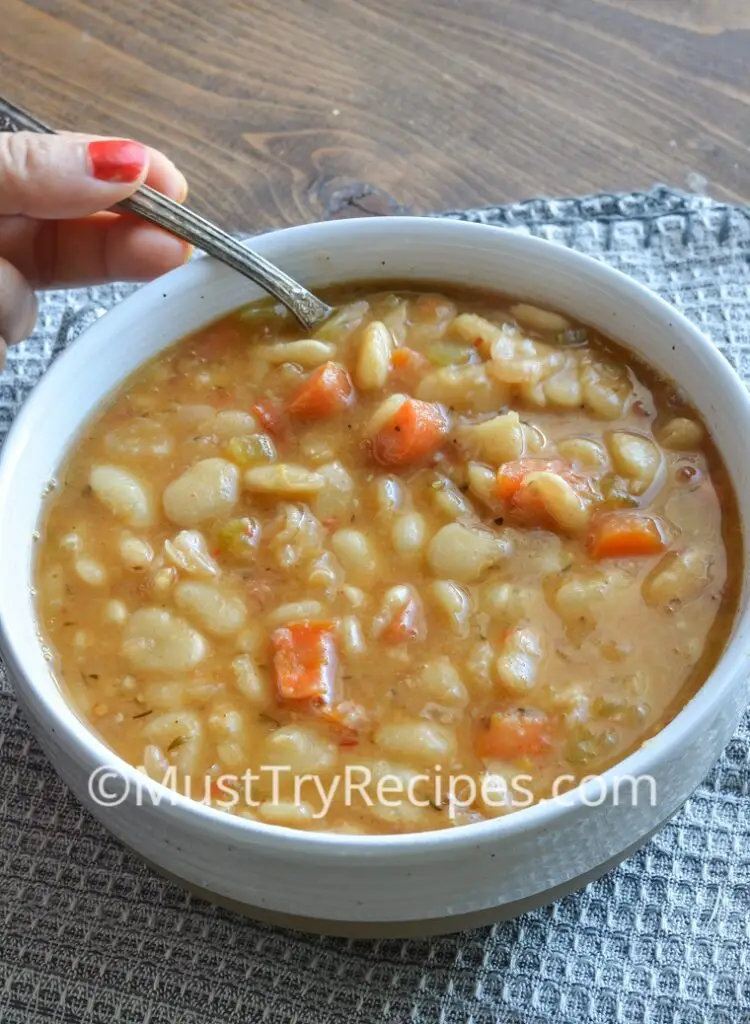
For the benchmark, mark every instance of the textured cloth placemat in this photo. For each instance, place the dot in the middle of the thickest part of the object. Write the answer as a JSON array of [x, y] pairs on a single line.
[[88, 935]]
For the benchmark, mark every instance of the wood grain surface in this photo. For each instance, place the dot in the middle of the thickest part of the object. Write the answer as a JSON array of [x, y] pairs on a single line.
[[282, 111]]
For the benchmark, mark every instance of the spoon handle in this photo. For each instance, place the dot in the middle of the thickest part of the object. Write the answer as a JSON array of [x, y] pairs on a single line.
[[152, 206]]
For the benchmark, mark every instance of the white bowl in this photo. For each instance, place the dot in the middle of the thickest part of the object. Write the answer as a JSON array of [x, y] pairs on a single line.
[[394, 884]]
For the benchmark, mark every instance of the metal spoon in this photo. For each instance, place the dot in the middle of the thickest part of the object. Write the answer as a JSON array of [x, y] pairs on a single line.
[[179, 220]]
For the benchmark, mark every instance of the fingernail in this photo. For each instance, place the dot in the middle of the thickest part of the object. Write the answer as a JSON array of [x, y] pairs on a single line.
[[183, 191], [119, 161]]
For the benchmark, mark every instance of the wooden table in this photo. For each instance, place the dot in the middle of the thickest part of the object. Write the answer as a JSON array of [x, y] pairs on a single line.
[[283, 111]]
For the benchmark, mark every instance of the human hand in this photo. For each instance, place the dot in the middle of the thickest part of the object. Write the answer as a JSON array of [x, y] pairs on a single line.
[[55, 226]]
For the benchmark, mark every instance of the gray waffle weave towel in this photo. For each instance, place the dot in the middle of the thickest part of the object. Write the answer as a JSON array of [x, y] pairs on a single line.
[[89, 935]]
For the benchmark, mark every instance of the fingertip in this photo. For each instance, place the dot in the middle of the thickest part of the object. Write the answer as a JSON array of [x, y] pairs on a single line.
[[166, 177], [141, 252]]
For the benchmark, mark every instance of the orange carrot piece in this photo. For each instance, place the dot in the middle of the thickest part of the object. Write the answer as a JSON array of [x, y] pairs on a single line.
[[409, 366], [326, 392], [413, 434], [625, 535], [271, 415], [304, 660], [405, 625], [514, 734]]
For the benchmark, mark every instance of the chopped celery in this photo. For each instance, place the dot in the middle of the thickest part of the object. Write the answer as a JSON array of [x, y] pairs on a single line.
[[251, 450], [448, 353], [239, 537], [573, 336]]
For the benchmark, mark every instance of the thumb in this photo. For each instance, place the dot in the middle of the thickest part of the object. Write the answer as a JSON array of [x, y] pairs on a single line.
[[64, 176]]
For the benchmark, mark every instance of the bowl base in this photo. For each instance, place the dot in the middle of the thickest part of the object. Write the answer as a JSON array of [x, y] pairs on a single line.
[[402, 929]]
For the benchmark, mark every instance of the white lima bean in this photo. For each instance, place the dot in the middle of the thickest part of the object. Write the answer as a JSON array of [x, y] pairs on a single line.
[[219, 613], [419, 743], [252, 682], [605, 389], [188, 552], [483, 484], [464, 553], [384, 412], [226, 725], [164, 578], [583, 453], [527, 363], [285, 479], [207, 490], [303, 749], [91, 572], [155, 640], [542, 320], [517, 666], [307, 352], [495, 792], [681, 434], [326, 574], [374, 364], [353, 642], [230, 423], [155, 762], [168, 695], [409, 534], [464, 389], [295, 611], [180, 734], [136, 553], [635, 457], [563, 389], [560, 501], [476, 331], [116, 612], [577, 600], [479, 667], [298, 538], [336, 499], [399, 795], [497, 440], [355, 552], [71, 542], [123, 494], [354, 595], [455, 604], [389, 494], [541, 554], [440, 682], [448, 500], [506, 603], [316, 448], [678, 578]]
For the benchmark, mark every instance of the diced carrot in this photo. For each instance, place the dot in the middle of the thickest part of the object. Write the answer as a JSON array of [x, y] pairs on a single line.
[[414, 433], [347, 719], [271, 415], [409, 366], [405, 625], [625, 535], [326, 392], [514, 734], [304, 660]]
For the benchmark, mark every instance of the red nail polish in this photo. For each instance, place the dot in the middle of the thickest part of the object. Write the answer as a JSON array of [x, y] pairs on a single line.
[[117, 160]]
